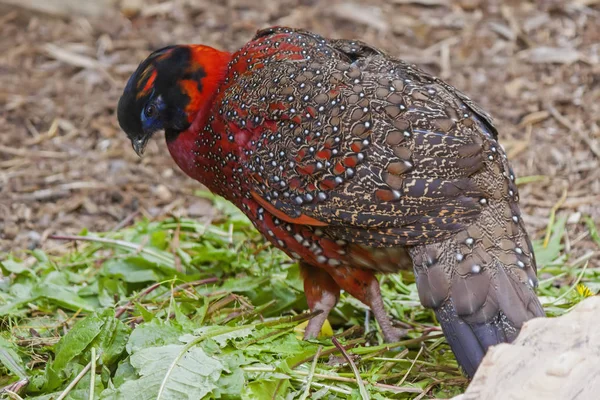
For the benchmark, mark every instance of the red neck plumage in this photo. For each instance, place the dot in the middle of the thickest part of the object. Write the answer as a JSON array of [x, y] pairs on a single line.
[[182, 148]]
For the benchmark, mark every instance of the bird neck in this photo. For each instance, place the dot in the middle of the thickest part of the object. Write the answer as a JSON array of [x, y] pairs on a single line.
[[214, 65], [203, 77]]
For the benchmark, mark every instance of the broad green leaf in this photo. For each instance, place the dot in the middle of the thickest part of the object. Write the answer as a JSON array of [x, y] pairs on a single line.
[[63, 296], [132, 270], [264, 389], [112, 339], [152, 334], [125, 372], [77, 340], [193, 376], [12, 266]]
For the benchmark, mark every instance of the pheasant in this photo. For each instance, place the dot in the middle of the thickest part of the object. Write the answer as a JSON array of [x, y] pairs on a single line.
[[354, 163]]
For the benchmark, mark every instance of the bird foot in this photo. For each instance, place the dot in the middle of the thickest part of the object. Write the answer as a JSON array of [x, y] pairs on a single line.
[[392, 334], [313, 329]]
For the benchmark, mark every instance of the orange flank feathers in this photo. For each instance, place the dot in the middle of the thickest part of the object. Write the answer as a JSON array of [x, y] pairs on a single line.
[[301, 220]]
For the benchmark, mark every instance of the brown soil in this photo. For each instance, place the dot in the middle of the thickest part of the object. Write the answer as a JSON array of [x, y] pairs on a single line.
[[65, 165]]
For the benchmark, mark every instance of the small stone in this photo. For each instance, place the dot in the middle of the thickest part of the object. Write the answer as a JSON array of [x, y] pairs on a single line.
[[10, 231], [469, 5], [167, 173], [131, 8], [200, 209], [163, 193]]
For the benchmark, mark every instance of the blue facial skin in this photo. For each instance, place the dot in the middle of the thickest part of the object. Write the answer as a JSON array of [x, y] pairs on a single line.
[[152, 115], [152, 119]]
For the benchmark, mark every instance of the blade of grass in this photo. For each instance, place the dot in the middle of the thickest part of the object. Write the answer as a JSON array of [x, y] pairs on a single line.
[[552, 218], [93, 374], [310, 374], [119, 243], [573, 287], [361, 386], [411, 367]]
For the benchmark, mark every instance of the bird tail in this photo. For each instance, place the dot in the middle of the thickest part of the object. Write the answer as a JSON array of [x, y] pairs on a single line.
[[482, 291], [469, 341]]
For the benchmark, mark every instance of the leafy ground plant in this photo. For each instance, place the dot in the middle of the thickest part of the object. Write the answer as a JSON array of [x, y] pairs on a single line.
[[182, 309]]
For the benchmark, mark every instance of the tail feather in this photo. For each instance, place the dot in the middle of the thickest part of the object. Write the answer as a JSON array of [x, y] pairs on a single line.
[[463, 340], [478, 300], [469, 341]]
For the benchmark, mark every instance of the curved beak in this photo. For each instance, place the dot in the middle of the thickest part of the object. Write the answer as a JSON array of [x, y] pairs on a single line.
[[139, 145]]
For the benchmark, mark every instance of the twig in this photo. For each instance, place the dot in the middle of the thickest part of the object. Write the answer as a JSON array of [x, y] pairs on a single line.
[[583, 258], [425, 391], [293, 319], [192, 284], [329, 351], [75, 381], [329, 388], [14, 388], [445, 61], [388, 365], [393, 388], [521, 145], [76, 60], [12, 394], [361, 386], [219, 304], [564, 121], [126, 221], [33, 153], [534, 118], [248, 313], [122, 309], [411, 367]]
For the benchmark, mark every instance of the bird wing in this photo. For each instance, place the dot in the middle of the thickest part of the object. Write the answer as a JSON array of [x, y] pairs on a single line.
[[339, 135]]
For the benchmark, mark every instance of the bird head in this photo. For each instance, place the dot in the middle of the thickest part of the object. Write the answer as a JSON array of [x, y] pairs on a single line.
[[168, 90]]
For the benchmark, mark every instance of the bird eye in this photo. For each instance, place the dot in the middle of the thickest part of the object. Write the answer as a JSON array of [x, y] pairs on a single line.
[[150, 110]]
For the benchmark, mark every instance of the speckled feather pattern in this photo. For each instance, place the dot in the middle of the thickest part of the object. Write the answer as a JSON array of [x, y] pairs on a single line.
[[350, 159]]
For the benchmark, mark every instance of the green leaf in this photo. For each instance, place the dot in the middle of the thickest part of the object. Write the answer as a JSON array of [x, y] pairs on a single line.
[[194, 376], [547, 255], [125, 372], [112, 339], [593, 230], [132, 270], [159, 239], [151, 334], [11, 359], [223, 339], [63, 296], [264, 389], [77, 340], [103, 331], [12, 266], [146, 315]]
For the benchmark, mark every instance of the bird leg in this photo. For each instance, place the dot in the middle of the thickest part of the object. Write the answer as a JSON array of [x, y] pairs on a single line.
[[322, 293], [362, 284]]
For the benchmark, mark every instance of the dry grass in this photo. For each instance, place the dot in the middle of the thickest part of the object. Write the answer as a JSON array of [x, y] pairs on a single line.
[[65, 165]]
